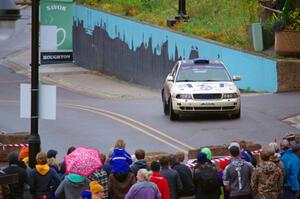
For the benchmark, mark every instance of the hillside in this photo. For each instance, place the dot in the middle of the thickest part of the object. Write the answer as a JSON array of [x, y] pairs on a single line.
[[220, 20]]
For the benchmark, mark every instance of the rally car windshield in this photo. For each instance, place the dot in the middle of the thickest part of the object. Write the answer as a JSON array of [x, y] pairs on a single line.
[[197, 73]]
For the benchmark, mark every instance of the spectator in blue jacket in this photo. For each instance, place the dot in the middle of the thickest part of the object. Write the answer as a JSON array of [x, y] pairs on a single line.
[[291, 166], [120, 160]]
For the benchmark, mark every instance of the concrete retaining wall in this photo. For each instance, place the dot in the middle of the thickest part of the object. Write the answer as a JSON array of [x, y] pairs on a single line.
[[145, 54]]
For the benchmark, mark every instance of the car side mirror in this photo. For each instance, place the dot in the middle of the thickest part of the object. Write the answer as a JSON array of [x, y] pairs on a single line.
[[236, 78], [170, 78]]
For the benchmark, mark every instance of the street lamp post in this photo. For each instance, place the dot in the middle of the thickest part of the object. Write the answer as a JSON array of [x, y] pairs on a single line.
[[8, 15], [181, 8], [34, 139]]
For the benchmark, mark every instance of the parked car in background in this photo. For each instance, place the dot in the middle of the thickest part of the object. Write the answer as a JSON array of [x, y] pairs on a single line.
[[200, 86]]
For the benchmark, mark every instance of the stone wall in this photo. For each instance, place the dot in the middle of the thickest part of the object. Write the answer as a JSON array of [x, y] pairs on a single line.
[[222, 150], [11, 138], [288, 75]]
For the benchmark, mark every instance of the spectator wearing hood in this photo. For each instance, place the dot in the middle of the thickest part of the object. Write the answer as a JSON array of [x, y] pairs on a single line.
[[267, 178], [72, 186], [140, 163], [237, 175], [17, 189], [291, 166], [206, 179], [42, 179], [159, 180], [143, 189], [185, 175], [172, 176]]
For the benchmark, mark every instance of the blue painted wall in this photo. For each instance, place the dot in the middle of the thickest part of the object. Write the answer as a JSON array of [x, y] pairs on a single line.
[[258, 73]]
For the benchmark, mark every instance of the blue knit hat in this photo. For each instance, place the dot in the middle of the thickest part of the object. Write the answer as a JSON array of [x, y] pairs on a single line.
[[202, 158]]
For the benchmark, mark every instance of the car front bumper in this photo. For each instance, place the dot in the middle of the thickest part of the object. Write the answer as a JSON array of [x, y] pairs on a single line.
[[206, 106]]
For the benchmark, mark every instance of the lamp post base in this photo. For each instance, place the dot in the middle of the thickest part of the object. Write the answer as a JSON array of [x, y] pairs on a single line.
[[34, 142]]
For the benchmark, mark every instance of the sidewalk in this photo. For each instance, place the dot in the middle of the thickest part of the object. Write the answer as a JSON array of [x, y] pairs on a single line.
[[78, 79]]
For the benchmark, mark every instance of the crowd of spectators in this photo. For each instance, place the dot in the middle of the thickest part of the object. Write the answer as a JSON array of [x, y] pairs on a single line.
[[274, 175]]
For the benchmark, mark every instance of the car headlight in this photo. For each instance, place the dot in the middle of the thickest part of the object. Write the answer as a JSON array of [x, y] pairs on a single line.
[[230, 95], [184, 96]]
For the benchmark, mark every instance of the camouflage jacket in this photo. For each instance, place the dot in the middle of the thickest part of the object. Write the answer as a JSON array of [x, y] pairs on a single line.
[[267, 180]]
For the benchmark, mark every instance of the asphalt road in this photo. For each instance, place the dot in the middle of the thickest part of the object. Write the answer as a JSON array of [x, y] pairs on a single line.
[[94, 122]]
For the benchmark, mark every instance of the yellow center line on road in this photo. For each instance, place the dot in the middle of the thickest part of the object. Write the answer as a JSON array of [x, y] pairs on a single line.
[[121, 118], [136, 122], [126, 123]]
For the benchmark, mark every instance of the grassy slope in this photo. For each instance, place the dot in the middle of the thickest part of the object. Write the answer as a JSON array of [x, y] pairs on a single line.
[[221, 20]]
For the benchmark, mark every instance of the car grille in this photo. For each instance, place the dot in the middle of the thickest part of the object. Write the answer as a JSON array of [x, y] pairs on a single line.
[[208, 96], [207, 108]]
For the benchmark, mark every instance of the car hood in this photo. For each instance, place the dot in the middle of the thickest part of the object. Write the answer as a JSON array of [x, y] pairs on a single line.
[[204, 87]]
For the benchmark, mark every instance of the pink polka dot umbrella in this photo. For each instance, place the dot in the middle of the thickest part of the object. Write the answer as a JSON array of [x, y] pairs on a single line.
[[83, 161]]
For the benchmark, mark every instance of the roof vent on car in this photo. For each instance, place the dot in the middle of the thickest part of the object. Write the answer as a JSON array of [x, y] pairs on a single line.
[[201, 61]]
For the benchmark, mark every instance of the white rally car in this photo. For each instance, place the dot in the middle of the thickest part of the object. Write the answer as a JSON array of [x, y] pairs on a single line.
[[200, 86]]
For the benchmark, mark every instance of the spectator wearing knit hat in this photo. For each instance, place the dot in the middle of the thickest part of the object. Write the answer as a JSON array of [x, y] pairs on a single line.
[[237, 175], [101, 177], [97, 190], [72, 186], [207, 183]]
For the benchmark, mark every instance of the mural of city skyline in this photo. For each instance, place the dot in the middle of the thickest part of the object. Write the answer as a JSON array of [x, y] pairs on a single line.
[[145, 54]]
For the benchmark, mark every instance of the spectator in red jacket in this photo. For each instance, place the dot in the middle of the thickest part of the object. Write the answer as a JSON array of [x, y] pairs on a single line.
[[159, 180]]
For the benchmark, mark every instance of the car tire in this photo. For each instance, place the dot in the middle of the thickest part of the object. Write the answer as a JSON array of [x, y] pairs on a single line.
[[165, 105], [236, 115], [173, 115]]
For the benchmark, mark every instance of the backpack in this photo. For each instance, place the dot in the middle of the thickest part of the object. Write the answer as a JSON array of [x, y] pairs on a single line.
[[206, 179]]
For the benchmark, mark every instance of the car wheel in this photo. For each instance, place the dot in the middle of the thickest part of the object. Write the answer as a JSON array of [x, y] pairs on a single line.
[[173, 115], [165, 105], [236, 115]]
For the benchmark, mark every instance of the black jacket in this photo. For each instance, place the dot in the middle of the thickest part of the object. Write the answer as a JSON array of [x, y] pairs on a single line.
[[40, 184], [17, 190], [139, 164], [174, 182], [186, 178]]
